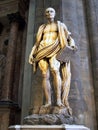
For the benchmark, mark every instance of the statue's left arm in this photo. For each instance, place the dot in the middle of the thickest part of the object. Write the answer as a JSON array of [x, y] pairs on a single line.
[[70, 40]]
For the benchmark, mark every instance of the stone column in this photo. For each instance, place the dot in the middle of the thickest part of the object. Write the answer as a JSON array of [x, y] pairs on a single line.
[[10, 62], [81, 95], [27, 79], [91, 7], [18, 60], [8, 108], [69, 16]]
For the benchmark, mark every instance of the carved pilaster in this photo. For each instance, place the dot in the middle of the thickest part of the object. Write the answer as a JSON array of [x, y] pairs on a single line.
[[15, 21], [18, 67], [2, 66], [8, 107]]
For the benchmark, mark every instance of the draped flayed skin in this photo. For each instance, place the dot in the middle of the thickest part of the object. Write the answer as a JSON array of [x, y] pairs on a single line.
[[54, 48], [47, 51]]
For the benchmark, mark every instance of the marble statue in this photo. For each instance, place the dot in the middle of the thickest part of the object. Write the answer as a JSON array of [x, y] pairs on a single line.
[[51, 39]]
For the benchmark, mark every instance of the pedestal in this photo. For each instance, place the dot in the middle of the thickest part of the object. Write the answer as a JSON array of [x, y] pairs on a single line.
[[50, 116], [48, 127]]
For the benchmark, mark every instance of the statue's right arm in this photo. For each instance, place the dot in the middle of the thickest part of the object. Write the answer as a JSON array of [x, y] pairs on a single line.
[[31, 54], [38, 39]]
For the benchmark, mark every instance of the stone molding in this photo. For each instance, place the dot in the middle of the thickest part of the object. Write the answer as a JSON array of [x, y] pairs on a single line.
[[9, 104], [45, 127]]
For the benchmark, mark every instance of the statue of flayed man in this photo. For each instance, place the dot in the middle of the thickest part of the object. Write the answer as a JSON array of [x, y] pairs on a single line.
[[51, 38]]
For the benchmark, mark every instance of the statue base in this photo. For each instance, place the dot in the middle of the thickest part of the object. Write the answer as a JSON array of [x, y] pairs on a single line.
[[49, 127], [52, 115], [48, 119]]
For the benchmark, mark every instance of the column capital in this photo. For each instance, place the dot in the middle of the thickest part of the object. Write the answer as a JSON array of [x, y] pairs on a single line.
[[16, 17]]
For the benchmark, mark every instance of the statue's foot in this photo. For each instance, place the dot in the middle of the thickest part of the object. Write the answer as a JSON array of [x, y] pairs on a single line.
[[47, 105], [60, 104], [66, 104], [69, 111]]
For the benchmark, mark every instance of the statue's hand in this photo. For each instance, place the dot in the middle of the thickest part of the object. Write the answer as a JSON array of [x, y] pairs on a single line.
[[31, 58], [74, 48]]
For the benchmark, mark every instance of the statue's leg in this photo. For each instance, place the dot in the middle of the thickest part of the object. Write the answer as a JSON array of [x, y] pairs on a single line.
[[66, 79], [43, 65], [55, 67]]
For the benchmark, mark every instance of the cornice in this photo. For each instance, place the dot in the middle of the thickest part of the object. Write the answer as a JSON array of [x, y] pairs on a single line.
[[8, 6], [6, 1], [12, 6]]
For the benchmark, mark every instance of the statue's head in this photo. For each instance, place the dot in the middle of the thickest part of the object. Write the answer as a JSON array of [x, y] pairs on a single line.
[[50, 13]]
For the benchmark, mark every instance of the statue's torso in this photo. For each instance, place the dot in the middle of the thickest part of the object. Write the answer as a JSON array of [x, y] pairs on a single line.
[[50, 34]]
